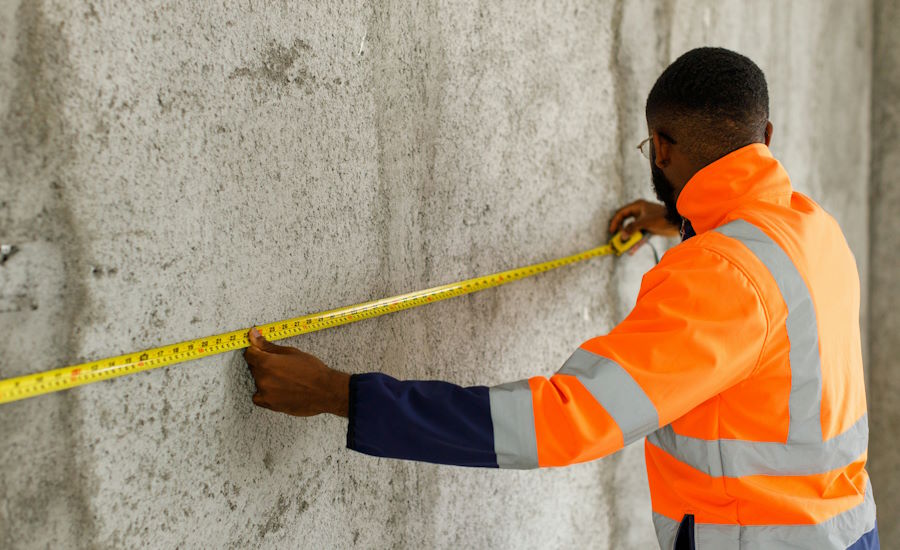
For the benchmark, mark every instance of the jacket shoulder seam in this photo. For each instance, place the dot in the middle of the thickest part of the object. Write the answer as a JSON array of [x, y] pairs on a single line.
[[700, 245]]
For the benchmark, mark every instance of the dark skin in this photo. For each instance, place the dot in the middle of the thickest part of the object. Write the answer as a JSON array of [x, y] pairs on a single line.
[[294, 382], [679, 169]]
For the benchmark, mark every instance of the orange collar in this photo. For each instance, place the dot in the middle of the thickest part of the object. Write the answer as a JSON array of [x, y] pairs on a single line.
[[745, 175]]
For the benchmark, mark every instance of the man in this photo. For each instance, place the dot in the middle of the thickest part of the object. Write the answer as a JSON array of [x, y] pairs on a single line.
[[740, 362]]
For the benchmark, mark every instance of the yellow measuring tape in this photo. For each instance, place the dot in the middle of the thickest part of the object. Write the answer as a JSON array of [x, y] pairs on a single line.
[[30, 385]]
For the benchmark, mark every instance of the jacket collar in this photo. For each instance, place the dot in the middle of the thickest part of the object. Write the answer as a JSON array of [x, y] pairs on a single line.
[[748, 174]]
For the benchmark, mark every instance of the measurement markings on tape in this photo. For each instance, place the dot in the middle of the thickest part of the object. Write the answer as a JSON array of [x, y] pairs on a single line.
[[31, 385]]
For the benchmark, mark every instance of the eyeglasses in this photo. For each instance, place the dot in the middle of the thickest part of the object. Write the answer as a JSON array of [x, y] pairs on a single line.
[[644, 146]]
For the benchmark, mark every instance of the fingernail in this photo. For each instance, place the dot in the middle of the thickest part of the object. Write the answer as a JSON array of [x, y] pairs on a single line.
[[255, 332]]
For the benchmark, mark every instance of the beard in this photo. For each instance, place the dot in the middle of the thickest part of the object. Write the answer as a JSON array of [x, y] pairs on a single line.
[[665, 192]]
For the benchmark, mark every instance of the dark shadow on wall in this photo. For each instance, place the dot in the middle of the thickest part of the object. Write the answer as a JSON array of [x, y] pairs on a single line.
[[884, 272], [47, 495]]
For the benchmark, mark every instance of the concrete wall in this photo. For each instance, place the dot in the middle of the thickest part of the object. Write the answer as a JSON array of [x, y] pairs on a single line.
[[884, 394], [172, 170]]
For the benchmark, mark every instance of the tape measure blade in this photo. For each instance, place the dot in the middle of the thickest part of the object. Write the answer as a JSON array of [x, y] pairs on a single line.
[[13, 389]]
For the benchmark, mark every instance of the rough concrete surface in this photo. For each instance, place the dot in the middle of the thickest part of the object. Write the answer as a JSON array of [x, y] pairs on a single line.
[[884, 313], [176, 169]]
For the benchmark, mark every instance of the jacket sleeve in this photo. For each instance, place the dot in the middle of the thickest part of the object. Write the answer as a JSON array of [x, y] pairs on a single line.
[[697, 328]]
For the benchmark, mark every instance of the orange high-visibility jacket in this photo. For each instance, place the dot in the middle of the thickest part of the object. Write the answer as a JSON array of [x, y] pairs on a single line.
[[740, 363]]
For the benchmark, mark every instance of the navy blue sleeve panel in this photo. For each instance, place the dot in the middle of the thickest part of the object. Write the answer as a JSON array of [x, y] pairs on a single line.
[[868, 541], [425, 420]]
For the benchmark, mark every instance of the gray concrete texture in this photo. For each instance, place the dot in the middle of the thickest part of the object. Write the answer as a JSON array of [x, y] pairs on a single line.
[[173, 170]]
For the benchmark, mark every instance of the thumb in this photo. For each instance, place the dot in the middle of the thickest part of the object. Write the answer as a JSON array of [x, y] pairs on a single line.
[[259, 342]]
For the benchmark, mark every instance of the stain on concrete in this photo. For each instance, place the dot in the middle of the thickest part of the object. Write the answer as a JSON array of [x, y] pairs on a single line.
[[281, 65], [275, 521], [6, 250], [36, 157], [16, 302], [98, 271], [269, 461]]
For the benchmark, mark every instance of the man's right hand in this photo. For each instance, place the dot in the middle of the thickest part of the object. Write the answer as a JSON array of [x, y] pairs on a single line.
[[645, 216]]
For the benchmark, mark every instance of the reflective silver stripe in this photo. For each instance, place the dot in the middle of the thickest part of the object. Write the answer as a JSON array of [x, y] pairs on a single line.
[[616, 391], [512, 415], [666, 531], [802, 330], [838, 532], [736, 458]]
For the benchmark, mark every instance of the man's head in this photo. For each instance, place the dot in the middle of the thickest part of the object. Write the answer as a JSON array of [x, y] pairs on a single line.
[[706, 104]]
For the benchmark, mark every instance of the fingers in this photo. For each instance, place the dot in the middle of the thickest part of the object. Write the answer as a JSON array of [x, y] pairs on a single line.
[[259, 401], [252, 355], [636, 247], [635, 225], [256, 360], [628, 211], [256, 356], [260, 343], [256, 339]]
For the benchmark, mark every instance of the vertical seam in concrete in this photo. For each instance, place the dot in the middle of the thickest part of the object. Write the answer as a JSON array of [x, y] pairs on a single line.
[[433, 79], [382, 200], [75, 306], [663, 17], [882, 297], [619, 79], [874, 172], [621, 87]]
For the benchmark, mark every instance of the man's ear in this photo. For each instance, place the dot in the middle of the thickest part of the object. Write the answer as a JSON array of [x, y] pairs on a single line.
[[768, 133], [663, 150]]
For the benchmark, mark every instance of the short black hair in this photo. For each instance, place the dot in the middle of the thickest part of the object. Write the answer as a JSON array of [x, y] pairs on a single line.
[[712, 101]]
